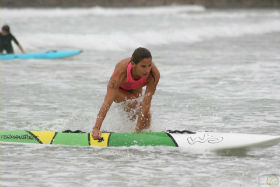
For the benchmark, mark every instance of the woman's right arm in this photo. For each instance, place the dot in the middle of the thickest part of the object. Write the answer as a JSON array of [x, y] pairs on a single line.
[[18, 44], [112, 89], [21, 48]]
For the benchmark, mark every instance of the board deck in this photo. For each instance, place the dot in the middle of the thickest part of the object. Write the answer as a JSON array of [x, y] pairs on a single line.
[[41, 55], [197, 141]]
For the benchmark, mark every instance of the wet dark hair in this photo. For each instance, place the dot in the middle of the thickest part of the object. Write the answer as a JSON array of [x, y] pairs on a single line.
[[6, 28], [139, 54]]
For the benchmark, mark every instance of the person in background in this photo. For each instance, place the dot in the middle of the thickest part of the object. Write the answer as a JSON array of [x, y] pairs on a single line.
[[6, 39]]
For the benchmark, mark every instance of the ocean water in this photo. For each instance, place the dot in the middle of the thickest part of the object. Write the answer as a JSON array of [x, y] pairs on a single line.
[[219, 72]]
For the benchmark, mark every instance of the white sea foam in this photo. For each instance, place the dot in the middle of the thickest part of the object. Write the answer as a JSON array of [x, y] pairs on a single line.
[[98, 11], [135, 26], [122, 40], [231, 14]]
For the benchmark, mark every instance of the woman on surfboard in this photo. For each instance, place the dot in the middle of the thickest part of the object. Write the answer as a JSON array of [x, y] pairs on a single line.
[[126, 83]]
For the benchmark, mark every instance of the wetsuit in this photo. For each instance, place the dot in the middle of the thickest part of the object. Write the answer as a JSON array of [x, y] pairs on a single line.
[[6, 43]]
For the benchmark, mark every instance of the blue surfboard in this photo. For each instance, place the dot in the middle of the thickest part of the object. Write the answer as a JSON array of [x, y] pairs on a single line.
[[41, 55]]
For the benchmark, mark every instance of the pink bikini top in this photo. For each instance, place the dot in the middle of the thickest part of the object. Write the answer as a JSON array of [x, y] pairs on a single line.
[[132, 84]]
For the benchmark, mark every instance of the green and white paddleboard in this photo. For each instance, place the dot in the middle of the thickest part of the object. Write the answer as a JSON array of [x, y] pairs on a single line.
[[206, 141]]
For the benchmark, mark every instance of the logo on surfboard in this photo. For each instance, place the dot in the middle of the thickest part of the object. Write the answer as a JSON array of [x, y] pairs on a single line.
[[205, 138]]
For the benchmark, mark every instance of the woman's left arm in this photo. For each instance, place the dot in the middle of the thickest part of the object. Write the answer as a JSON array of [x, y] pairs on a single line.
[[145, 105]]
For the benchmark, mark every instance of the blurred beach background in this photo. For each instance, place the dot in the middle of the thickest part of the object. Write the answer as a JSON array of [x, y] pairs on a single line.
[[219, 67]]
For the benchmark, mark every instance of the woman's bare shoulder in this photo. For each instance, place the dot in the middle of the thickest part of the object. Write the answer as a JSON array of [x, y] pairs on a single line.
[[121, 66], [120, 70]]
